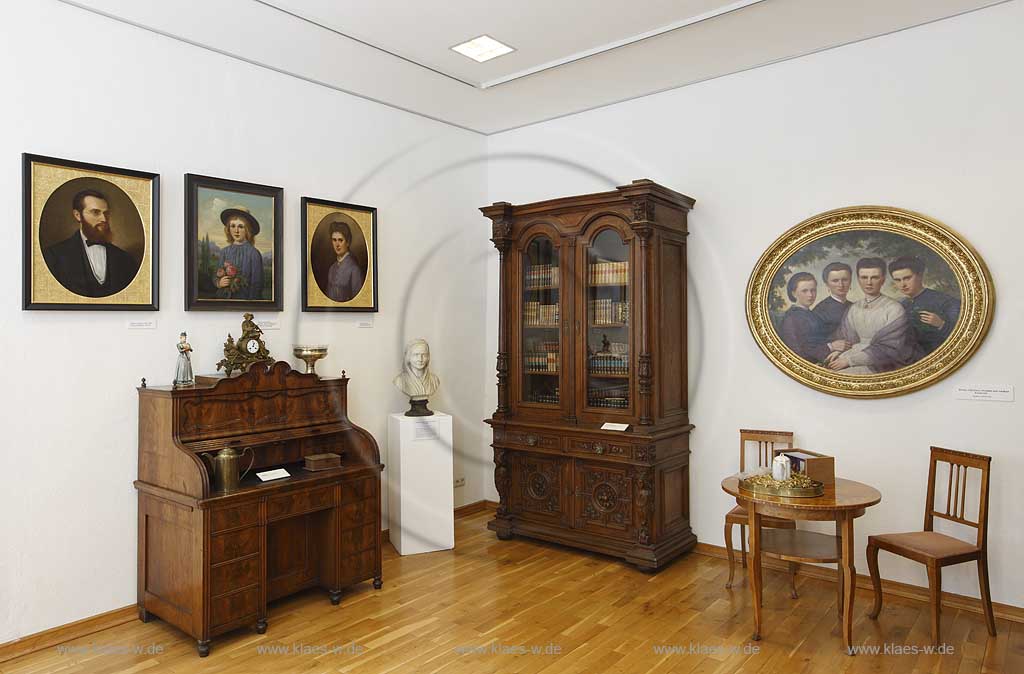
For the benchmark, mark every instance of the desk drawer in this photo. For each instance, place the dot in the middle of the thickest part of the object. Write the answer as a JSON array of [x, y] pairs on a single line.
[[358, 490], [299, 502], [358, 539], [363, 512], [234, 606], [235, 544], [234, 575], [232, 518]]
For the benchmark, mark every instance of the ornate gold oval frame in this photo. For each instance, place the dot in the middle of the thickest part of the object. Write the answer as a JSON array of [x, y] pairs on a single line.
[[977, 301]]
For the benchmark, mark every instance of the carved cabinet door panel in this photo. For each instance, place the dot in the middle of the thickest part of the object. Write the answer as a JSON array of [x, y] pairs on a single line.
[[541, 487], [604, 494]]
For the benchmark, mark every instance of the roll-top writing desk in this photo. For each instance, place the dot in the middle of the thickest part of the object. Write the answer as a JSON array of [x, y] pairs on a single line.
[[208, 562]]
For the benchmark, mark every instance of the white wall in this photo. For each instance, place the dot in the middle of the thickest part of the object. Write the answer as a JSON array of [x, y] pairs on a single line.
[[79, 86], [927, 119]]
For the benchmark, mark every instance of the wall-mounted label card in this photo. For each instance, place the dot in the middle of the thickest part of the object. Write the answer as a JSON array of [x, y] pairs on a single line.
[[990, 393], [275, 474], [141, 324], [269, 324], [365, 323], [609, 426]]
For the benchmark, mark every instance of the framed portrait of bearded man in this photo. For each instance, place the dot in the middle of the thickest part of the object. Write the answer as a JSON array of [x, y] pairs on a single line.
[[869, 301], [90, 236]]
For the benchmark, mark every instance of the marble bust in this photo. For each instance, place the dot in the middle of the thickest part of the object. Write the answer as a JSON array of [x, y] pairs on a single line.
[[416, 380]]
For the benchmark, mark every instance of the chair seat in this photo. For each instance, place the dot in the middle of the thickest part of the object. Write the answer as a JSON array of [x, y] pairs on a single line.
[[924, 544], [739, 515]]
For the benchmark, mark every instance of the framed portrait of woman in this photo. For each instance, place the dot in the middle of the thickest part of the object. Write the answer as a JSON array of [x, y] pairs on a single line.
[[90, 236], [869, 301], [339, 256], [232, 245]]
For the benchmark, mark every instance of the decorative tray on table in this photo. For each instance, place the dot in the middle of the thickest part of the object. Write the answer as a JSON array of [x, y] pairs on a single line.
[[797, 485]]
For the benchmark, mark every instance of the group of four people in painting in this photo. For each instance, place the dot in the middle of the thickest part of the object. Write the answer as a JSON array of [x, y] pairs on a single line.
[[876, 333]]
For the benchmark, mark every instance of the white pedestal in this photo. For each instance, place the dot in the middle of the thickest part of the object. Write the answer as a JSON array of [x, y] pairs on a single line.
[[421, 498]]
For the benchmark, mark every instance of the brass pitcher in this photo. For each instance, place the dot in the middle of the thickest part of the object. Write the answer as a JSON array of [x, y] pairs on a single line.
[[224, 468]]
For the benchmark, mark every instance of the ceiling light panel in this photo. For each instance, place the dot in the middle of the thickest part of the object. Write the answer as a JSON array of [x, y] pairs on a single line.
[[483, 48]]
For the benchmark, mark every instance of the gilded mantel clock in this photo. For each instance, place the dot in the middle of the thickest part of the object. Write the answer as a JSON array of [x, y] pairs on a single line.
[[249, 349]]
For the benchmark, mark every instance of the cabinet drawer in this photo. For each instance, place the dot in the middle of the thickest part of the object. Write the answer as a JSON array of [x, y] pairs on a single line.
[[234, 575], [359, 490], [358, 539], [363, 512], [602, 448], [528, 440], [232, 518], [234, 606], [234, 544], [299, 502]]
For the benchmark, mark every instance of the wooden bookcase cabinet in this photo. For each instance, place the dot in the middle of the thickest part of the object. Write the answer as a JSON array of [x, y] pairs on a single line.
[[592, 329]]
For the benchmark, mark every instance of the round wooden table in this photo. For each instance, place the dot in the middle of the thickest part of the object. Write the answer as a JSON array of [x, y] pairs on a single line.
[[841, 503]]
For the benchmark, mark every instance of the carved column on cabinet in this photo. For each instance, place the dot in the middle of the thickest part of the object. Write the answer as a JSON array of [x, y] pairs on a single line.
[[644, 504], [501, 237], [643, 214], [501, 479]]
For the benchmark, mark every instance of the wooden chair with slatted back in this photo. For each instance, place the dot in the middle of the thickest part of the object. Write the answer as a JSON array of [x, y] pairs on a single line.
[[767, 441], [936, 550]]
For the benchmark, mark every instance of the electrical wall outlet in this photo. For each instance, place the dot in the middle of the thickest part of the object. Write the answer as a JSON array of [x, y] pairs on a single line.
[[460, 482]]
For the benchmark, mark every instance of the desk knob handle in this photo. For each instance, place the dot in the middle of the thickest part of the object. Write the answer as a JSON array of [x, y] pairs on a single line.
[[532, 440]]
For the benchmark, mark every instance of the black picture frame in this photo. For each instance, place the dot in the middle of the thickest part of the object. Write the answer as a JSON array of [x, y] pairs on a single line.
[[30, 231], [323, 303], [193, 286]]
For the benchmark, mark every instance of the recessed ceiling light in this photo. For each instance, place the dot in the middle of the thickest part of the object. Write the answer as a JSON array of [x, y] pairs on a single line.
[[483, 48]]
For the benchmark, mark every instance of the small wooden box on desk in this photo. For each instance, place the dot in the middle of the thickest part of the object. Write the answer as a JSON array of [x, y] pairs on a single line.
[[816, 466], [210, 562]]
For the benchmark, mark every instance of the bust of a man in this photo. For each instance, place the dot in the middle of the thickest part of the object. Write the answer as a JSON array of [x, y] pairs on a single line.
[[416, 380]]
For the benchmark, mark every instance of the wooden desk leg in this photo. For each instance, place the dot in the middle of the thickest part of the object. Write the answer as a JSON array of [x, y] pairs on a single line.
[[754, 568], [849, 581]]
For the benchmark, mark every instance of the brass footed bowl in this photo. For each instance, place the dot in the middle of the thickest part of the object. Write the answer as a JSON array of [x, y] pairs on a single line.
[[310, 355]]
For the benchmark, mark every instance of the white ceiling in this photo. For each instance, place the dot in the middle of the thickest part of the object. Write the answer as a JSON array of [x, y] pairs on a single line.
[[571, 55], [544, 33]]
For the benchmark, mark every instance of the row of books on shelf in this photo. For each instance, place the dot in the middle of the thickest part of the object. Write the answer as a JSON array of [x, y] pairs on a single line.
[[614, 402], [609, 273], [608, 312], [546, 397], [607, 364], [542, 275], [608, 396], [537, 314], [541, 362]]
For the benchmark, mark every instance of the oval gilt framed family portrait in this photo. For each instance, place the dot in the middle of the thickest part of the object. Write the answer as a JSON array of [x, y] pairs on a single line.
[[869, 301]]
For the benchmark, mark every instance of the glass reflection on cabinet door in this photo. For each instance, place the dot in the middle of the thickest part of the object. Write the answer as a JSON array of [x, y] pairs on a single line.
[[541, 318], [608, 321]]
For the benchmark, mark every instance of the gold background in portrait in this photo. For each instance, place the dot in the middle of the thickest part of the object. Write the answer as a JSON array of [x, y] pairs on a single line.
[[46, 179], [977, 297], [315, 214]]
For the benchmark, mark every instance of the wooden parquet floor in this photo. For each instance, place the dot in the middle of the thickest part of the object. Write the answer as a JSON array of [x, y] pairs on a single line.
[[522, 606]]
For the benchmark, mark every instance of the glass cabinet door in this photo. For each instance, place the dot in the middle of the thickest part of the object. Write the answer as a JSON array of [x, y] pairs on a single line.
[[541, 317], [608, 321]]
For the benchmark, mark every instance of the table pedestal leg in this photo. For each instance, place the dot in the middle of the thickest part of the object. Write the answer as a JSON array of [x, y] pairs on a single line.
[[754, 568], [849, 579]]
